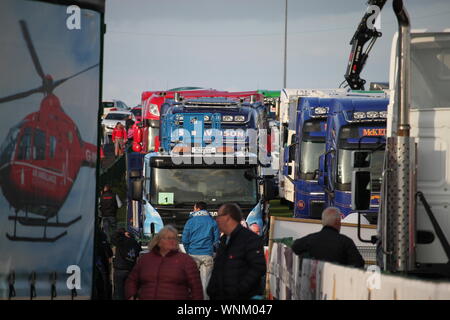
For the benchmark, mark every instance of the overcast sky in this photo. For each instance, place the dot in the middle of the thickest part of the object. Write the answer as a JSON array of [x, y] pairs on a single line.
[[238, 44]]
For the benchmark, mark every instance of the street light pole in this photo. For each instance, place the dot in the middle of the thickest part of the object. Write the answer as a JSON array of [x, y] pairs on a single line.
[[285, 42]]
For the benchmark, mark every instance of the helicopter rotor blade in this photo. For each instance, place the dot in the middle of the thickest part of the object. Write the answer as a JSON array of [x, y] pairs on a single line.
[[21, 95], [58, 82], [29, 42]]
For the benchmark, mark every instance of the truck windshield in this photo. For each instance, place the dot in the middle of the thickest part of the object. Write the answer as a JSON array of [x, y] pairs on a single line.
[[344, 169], [430, 71], [310, 152], [181, 186]]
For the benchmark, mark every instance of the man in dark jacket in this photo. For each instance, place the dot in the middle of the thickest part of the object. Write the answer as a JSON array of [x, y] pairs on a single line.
[[328, 244], [127, 252], [108, 209], [103, 254], [239, 264]]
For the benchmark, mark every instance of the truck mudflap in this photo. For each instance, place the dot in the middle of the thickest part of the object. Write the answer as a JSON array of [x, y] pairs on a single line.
[[152, 217]]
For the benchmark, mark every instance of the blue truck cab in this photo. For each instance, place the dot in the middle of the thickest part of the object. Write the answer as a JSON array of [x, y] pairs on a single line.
[[173, 181], [353, 124], [237, 118], [310, 141], [170, 190]]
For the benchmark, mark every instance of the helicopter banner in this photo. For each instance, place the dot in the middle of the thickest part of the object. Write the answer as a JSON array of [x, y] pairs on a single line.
[[49, 98]]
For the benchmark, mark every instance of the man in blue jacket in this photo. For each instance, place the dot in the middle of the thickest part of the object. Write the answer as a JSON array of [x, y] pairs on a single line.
[[200, 237]]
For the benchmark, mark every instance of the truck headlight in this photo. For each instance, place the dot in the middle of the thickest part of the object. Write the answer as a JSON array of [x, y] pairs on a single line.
[[227, 118], [320, 110], [359, 115], [372, 114], [383, 114], [239, 118]]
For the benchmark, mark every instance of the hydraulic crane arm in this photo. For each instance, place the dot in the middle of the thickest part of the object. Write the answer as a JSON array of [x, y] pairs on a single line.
[[365, 32]]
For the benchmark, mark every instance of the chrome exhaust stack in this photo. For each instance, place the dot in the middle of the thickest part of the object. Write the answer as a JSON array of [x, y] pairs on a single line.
[[398, 212]]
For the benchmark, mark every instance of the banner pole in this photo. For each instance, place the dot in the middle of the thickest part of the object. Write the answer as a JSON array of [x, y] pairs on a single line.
[[272, 224]]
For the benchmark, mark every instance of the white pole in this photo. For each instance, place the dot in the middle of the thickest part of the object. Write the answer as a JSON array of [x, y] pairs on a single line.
[[285, 42]]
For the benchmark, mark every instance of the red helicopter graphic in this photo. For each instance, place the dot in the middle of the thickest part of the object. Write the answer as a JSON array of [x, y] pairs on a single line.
[[41, 157]]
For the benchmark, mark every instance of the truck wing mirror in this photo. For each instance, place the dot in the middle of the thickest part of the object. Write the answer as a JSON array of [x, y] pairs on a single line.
[[316, 174], [270, 189], [322, 163], [136, 189], [135, 173], [321, 173], [361, 159], [361, 190], [292, 149]]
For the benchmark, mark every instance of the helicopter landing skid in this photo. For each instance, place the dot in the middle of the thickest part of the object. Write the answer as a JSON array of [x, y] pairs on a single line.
[[31, 239], [36, 222], [42, 222]]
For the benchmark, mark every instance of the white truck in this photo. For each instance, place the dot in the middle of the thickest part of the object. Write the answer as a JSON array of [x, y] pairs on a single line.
[[414, 219], [287, 116]]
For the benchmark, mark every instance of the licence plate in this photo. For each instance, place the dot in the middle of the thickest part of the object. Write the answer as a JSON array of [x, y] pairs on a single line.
[[203, 150]]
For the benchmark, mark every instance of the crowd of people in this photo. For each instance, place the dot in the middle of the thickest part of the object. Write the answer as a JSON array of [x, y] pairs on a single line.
[[224, 258]]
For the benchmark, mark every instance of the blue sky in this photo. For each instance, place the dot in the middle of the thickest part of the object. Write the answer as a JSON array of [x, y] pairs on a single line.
[[238, 44]]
